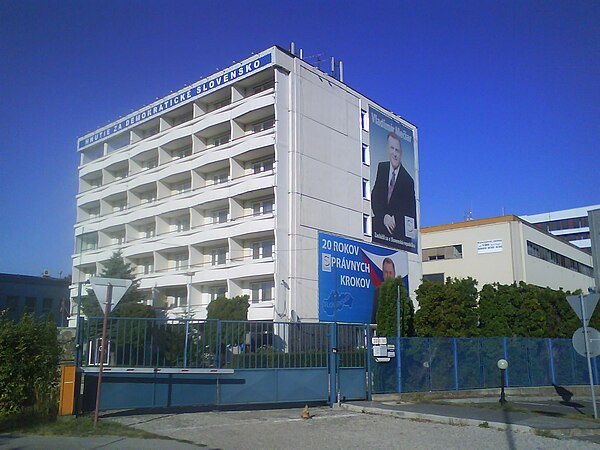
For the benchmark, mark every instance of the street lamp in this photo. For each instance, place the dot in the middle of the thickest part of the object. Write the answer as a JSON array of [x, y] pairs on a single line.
[[187, 318], [502, 365]]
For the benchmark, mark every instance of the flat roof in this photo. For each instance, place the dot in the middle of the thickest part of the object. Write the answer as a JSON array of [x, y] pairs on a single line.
[[471, 223]]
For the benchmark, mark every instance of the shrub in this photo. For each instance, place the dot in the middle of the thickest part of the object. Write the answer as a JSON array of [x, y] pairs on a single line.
[[29, 352]]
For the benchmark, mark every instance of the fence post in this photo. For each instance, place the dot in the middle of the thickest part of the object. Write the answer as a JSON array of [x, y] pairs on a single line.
[[551, 361], [218, 345], [455, 351], [185, 343], [369, 373], [429, 339], [505, 352], [333, 363], [398, 364]]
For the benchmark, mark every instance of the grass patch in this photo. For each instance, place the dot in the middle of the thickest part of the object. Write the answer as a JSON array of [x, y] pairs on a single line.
[[484, 425], [81, 427], [545, 433]]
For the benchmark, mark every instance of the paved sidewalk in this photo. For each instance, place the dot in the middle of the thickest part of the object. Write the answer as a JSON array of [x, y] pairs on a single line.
[[31, 442], [464, 414]]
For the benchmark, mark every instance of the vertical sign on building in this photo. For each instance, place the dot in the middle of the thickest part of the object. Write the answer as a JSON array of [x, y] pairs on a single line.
[[393, 199], [350, 273]]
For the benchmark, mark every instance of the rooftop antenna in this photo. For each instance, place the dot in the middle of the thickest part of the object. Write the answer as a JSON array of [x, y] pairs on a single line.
[[292, 48], [341, 67]]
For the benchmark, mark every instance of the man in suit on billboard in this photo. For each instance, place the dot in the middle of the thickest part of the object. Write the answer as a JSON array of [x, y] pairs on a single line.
[[393, 199]]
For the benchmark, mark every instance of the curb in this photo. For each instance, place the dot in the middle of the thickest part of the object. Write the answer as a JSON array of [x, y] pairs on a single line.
[[464, 422]]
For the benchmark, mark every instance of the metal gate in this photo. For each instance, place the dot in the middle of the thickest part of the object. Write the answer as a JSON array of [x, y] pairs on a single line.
[[165, 363]]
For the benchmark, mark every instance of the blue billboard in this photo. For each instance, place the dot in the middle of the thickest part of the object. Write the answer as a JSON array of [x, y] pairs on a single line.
[[350, 273]]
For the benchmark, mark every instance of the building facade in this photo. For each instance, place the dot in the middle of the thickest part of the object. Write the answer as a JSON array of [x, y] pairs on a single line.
[[40, 296], [223, 187], [504, 249], [569, 224]]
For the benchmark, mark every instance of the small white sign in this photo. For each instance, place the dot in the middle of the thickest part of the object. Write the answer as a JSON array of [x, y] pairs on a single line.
[[489, 246], [380, 351]]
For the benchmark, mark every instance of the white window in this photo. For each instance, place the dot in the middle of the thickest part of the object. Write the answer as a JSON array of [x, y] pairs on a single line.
[[263, 207], [261, 291], [176, 298], [89, 241], [262, 166], [219, 140], [94, 212], [96, 182], [366, 155], [264, 124], [181, 186], [217, 291], [222, 103], [120, 174], [263, 87], [366, 224], [181, 152], [262, 249], [181, 223], [219, 177], [150, 163], [148, 197], [145, 266], [179, 261], [366, 189], [182, 118], [119, 205], [219, 216], [147, 231], [149, 132], [118, 238], [218, 256], [364, 120]]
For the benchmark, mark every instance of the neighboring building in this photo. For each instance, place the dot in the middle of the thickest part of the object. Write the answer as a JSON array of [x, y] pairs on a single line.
[[504, 249], [569, 224], [594, 220], [41, 296], [223, 187]]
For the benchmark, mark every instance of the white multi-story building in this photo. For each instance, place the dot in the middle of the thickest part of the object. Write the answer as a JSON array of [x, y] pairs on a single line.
[[504, 250], [569, 224], [223, 187]]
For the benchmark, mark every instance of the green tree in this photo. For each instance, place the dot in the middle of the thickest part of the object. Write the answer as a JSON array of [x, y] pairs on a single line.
[[496, 311], [525, 310], [387, 313], [130, 304], [448, 309], [29, 355], [224, 308]]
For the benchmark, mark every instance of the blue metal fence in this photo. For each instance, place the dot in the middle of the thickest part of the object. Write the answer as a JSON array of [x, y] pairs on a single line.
[[155, 362], [430, 364], [193, 344]]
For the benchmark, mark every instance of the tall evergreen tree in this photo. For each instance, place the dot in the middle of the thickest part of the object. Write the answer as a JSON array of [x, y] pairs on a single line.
[[448, 309], [131, 303], [386, 311]]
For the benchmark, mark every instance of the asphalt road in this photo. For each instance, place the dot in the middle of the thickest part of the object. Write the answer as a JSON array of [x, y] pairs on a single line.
[[334, 429]]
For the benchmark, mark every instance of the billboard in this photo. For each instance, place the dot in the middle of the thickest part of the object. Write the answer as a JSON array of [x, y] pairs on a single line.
[[350, 273], [393, 200]]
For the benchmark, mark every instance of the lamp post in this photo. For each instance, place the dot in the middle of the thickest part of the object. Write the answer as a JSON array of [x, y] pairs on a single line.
[[187, 318], [502, 365]]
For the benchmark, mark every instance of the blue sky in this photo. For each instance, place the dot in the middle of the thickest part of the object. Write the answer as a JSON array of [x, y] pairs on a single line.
[[505, 94]]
